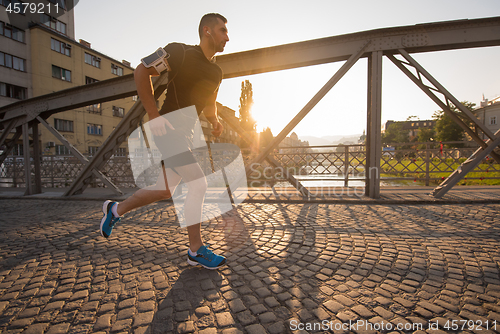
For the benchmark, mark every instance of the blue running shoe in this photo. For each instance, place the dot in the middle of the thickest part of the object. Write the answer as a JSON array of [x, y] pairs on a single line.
[[108, 221], [206, 258]]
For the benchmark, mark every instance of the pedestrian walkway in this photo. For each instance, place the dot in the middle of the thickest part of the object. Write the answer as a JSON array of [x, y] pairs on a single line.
[[346, 267], [338, 195]]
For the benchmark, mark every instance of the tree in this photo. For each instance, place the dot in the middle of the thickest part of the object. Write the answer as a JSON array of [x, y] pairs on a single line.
[[362, 138], [446, 128], [395, 134], [426, 135], [246, 101]]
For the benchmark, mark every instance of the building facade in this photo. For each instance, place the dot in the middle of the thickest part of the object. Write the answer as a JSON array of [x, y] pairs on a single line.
[[489, 114], [413, 126], [41, 57]]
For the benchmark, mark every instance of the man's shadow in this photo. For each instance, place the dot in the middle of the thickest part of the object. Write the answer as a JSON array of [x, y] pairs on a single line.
[[186, 297]]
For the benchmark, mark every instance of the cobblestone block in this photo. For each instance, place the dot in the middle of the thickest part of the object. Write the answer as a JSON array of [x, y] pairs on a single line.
[[201, 311], [143, 319], [333, 306], [211, 330], [255, 329], [103, 322], [121, 325], [224, 319], [236, 305], [58, 329], [246, 318], [36, 328], [186, 327]]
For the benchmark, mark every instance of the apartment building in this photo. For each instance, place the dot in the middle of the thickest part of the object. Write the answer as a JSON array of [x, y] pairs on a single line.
[[39, 56]]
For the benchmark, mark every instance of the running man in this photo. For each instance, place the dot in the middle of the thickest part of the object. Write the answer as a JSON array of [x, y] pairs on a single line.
[[194, 80]]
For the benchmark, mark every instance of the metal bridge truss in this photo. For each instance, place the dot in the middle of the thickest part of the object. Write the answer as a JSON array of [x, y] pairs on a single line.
[[395, 43]]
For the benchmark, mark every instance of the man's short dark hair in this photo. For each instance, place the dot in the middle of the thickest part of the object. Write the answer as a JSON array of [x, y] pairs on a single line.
[[210, 20]]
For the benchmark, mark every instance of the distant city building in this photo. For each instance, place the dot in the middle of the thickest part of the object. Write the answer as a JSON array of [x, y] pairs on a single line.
[[292, 141], [489, 114], [229, 135], [413, 126]]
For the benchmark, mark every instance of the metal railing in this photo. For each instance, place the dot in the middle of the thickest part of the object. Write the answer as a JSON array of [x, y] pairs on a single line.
[[335, 165]]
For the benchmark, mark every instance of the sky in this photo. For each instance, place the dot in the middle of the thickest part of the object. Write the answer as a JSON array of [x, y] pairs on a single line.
[[131, 30]]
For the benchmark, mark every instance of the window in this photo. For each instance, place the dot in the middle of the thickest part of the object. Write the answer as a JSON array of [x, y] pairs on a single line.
[[13, 91], [60, 47], [493, 120], [53, 23], [118, 112], [61, 73], [62, 150], [134, 98], [63, 125], [95, 109], [94, 129], [121, 152], [116, 70], [11, 32], [18, 150], [92, 60], [89, 80], [11, 61], [93, 150]]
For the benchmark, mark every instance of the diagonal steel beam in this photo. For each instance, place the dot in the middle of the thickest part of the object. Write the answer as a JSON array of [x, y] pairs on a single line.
[[9, 145], [466, 167], [446, 107], [68, 99], [449, 97], [79, 156], [308, 107], [6, 131], [127, 125]]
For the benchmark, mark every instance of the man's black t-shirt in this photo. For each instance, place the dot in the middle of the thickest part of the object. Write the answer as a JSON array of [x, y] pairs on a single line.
[[192, 80]]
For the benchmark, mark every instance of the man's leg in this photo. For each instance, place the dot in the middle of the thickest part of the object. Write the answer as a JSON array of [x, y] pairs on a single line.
[[198, 254], [151, 194], [196, 183]]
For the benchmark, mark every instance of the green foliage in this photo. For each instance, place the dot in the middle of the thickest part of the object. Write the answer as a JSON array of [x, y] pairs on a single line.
[[446, 128], [395, 134], [426, 135], [246, 102], [440, 170], [362, 138]]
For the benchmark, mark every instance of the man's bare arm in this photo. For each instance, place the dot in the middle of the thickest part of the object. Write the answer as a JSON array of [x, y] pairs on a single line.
[[142, 78], [210, 112]]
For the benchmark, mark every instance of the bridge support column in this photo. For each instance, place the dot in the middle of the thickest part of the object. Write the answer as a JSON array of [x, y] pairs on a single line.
[[374, 123]]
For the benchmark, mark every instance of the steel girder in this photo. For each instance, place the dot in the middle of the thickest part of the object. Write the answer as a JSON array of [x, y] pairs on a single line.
[[467, 166], [374, 126], [126, 126], [439, 36]]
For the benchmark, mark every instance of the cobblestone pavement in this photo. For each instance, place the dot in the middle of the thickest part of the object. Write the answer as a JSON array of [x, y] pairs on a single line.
[[288, 264]]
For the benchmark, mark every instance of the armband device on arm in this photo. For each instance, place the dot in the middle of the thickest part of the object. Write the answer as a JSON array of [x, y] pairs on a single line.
[[158, 60]]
